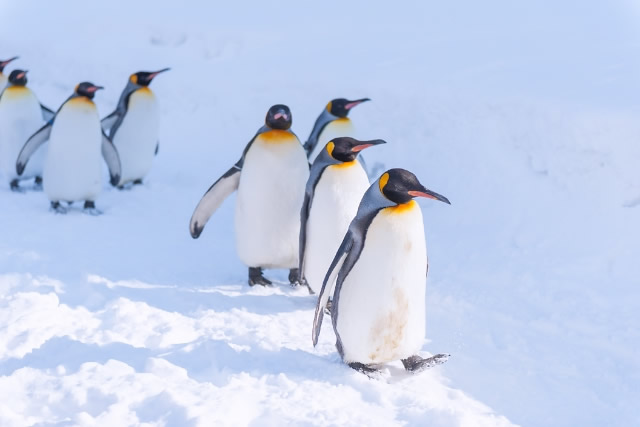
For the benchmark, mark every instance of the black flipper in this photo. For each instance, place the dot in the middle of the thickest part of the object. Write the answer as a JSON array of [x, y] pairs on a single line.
[[108, 122], [33, 143], [47, 113], [110, 155], [157, 149]]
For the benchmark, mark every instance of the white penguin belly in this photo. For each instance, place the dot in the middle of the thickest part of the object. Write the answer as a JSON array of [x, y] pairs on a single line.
[[381, 307], [270, 196], [335, 129], [73, 165], [20, 117], [335, 203], [137, 136]]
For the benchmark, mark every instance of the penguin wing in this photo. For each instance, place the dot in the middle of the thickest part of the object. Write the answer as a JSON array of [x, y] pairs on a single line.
[[213, 198], [32, 144], [312, 182], [155, 153], [47, 113], [336, 267], [108, 122], [112, 158]]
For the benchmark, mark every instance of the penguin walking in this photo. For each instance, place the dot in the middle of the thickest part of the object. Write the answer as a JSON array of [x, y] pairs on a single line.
[[73, 167], [270, 178], [133, 127], [3, 78], [336, 184], [379, 273], [21, 114], [331, 123]]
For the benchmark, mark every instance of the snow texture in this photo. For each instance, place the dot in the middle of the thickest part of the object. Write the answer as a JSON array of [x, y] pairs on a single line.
[[524, 114]]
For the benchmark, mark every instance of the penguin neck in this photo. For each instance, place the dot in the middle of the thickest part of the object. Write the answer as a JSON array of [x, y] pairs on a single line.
[[276, 135], [402, 208], [323, 120]]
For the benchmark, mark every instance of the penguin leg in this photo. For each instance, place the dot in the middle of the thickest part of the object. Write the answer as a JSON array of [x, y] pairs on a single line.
[[296, 279], [58, 208], [90, 208], [256, 277], [137, 181], [37, 184], [419, 364], [15, 186], [362, 368]]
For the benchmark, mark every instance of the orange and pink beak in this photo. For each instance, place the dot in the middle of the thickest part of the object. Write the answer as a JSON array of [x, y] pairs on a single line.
[[5, 63], [352, 104], [367, 144], [424, 192]]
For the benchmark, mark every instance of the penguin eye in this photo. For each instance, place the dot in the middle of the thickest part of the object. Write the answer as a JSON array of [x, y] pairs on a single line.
[[383, 181]]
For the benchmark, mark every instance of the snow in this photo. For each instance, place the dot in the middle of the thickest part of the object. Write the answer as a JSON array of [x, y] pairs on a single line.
[[523, 114]]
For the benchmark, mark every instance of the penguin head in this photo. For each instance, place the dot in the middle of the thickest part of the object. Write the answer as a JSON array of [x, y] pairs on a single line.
[[278, 117], [87, 89], [346, 149], [5, 63], [143, 78], [340, 107], [18, 78], [400, 186]]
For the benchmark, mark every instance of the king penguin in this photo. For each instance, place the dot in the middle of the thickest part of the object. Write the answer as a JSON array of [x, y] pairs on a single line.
[[3, 77], [133, 127], [73, 167], [331, 123], [270, 178], [379, 273], [334, 189], [21, 114]]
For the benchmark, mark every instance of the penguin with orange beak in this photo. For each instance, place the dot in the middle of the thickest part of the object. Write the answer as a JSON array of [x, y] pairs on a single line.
[[378, 279], [133, 127]]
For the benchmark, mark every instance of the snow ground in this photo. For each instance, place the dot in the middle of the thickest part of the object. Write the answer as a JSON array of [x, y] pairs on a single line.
[[525, 116]]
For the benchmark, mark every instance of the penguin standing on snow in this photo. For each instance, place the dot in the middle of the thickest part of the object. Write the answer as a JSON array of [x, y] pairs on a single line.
[[3, 78], [73, 167], [336, 184], [379, 273], [331, 123], [21, 114], [133, 127], [270, 178]]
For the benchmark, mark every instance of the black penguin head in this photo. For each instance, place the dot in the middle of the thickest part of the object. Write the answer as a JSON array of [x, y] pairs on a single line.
[[278, 117], [143, 78], [18, 78], [5, 63], [340, 107], [400, 186], [346, 149], [87, 89]]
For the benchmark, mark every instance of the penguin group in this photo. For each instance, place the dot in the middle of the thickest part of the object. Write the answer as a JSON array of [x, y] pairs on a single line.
[[310, 208], [69, 166], [358, 246]]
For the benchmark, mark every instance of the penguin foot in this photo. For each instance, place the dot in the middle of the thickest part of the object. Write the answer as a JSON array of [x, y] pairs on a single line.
[[137, 182], [15, 186], [296, 279], [56, 207], [362, 368], [419, 364], [90, 208], [256, 277], [37, 184], [328, 307]]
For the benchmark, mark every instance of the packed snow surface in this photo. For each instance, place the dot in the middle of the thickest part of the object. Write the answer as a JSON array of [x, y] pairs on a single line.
[[524, 114]]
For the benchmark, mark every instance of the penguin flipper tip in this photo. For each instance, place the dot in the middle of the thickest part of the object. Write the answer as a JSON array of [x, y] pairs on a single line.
[[195, 230]]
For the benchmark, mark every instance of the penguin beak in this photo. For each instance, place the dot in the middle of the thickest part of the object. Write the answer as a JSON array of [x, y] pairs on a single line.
[[92, 89], [367, 144], [5, 63], [281, 115], [22, 74], [352, 104], [152, 75], [424, 192]]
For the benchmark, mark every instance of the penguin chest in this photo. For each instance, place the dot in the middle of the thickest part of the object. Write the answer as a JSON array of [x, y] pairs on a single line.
[[73, 165], [3, 81], [335, 129], [270, 195], [137, 136], [381, 306], [335, 203], [20, 117]]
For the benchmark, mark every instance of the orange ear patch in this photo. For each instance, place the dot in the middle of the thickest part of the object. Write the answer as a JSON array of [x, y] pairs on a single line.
[[383, 181]]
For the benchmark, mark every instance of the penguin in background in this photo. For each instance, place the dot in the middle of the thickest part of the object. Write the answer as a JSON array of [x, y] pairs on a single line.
[[133, 127], [380, 273], [331, 123], [270, 179], [336, 184], [3, 78], [73, 164], [21, 114]]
